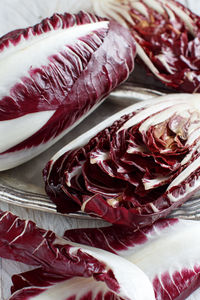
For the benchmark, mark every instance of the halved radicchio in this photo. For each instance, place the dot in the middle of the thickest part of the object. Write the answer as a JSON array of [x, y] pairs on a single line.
[[66, 270], [52, 75], [134, 170], [168, 252]]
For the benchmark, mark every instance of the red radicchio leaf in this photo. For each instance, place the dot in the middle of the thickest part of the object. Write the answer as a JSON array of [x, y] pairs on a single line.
[[54, 74], [167, 34], [168, 252], [135, 171], [66, 269]]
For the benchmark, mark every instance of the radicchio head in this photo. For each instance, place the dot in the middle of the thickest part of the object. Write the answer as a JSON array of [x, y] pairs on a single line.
[[52, 75], [136, 170]]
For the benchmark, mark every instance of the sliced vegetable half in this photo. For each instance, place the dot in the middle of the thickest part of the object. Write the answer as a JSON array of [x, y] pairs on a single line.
[[133, 168]]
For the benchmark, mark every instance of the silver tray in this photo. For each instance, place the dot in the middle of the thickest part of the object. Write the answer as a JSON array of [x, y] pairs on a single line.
[[23, 185]]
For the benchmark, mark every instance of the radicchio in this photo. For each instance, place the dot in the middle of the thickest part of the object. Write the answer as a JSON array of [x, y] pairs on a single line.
[[67, 271], [168, 252], [135, 170], [52, 75]]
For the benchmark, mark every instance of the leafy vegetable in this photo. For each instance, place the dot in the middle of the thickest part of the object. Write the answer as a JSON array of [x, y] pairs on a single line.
[[54, 74], [167, 35], [168, 252], [135, 170], [67, 270]]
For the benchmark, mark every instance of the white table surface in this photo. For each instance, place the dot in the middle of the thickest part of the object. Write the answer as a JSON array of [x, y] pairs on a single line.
[[56, 223]]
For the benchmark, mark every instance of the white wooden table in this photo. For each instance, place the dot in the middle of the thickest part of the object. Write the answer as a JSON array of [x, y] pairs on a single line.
[[50, 221]]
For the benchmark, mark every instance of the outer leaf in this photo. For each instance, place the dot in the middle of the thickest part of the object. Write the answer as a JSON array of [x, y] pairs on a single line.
[[22, 241], [53, 89], [136, 170], [168, 252]]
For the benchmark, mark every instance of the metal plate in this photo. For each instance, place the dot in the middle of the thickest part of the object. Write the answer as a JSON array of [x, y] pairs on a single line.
[[23, 186]]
